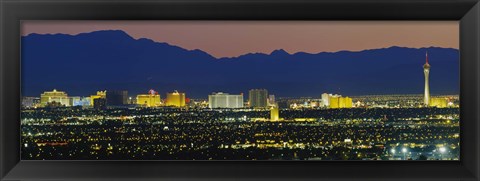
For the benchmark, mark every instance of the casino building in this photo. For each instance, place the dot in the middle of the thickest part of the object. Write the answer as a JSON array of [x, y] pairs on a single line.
[[340, 102], [225, 100], [152, 99], [175, 99], [258, 98], [334, 101], [54, 96], [99, 95], [439, 102], [117, 97]]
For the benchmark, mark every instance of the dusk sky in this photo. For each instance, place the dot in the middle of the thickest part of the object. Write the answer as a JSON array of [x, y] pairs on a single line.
[[234, 38]]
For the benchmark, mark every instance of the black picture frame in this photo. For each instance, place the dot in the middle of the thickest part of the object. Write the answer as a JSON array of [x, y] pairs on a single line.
[[14, 11]]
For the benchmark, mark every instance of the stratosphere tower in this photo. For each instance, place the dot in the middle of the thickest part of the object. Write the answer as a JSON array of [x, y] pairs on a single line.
[[426, 71]]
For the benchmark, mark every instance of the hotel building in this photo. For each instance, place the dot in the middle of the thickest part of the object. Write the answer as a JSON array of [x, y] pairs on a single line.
[[54, 96], [176, 99], [117, 98], [225, 100], [152, 99], [439, 102], [258, 98], [99, 95], [336, 101]]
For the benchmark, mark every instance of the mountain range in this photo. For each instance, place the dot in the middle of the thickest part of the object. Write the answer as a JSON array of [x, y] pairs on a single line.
[[111, 59]]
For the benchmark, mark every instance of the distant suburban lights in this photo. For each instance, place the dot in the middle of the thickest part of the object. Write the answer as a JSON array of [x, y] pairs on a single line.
[[442, 149]]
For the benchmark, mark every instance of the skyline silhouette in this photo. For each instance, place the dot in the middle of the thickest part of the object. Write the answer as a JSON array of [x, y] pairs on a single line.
[[103, 60]]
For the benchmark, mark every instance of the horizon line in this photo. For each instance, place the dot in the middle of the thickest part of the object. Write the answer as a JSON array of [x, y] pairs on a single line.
[[231, 57]]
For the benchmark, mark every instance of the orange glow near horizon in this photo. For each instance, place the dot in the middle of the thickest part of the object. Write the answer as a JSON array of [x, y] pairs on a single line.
[[234, 38]]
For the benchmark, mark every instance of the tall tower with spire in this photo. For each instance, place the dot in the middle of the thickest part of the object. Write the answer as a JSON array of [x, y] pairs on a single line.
[[426, 71]]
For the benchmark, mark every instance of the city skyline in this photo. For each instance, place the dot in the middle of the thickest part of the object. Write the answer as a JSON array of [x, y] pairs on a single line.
[[152, 91], [257, 98], [63, 53], [249, 90]]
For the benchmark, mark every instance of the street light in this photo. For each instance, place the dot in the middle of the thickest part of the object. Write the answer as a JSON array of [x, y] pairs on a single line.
[[404, 151]]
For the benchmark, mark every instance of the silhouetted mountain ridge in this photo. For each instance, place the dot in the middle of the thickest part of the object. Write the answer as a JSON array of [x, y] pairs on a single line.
[[112, 59]]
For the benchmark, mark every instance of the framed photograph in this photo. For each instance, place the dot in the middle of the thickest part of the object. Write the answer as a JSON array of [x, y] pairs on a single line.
[[245, 90]]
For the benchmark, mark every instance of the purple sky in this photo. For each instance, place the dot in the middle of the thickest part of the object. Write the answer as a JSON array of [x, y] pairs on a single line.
[[234, 38]]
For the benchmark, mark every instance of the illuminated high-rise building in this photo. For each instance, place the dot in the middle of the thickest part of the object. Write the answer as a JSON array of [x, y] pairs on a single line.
[[54, 96], [175, 99], [274, 113], [330, 100], [225, 100], [325, 100], [337, 101], [342, 102], [334, 102], [117, 97], [426, 71], [348, 102], [152, 99], [258, 98], [100, 94], [439, 102]]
